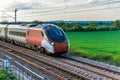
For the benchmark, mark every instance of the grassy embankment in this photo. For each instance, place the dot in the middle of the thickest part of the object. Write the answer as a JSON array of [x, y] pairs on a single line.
[[97, 45]]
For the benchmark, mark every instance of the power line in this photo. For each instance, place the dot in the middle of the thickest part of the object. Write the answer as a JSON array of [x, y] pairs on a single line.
[[8, 14], [73, 11], [62, 9], [47, 9], [81, 5]]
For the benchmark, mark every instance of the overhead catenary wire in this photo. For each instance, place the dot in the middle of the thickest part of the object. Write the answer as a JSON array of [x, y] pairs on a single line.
[[62, 9], [45, 10], [8, 14], [74, 11], [88, 5], [85, 5]]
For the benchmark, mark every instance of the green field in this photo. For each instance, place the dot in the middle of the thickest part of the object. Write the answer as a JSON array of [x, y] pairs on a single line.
[[95, 43]]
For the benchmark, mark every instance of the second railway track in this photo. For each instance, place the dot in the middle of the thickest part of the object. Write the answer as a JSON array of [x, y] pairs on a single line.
[[81, 71], [52, 69]]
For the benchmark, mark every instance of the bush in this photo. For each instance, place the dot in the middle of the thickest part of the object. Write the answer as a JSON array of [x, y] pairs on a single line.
[[4, 75], [116, 61], [117, 24]]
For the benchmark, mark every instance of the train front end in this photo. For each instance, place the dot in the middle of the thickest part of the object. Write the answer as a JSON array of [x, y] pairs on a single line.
[[58, 41]]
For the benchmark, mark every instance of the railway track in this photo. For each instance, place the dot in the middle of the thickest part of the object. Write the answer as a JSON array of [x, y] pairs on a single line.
[[92, 63], [33, 64], [88, 71], [105, 70], [52, 69]]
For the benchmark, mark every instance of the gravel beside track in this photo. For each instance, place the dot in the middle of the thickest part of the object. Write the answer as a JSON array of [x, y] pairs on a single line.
[[93, 63], [104, 70]]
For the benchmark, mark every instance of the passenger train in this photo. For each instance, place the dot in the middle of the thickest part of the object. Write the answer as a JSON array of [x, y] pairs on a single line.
[[46, 38]]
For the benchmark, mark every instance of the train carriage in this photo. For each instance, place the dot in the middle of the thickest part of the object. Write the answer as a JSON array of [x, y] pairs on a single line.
[[46, 38], [17, 33], [3, 31]]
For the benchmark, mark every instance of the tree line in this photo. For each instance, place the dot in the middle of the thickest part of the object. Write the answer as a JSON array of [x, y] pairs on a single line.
[[90, 25], [79, 26], [68, 27]]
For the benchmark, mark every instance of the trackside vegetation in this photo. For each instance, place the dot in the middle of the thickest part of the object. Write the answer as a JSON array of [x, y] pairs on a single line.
[[4, 75]]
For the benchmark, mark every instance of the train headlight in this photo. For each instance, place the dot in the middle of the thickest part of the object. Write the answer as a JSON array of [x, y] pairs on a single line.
[[52, 43], [67, 41]]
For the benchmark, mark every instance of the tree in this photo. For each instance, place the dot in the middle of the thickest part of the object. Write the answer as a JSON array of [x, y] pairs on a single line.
[[77, 27], [64, 27], [37, 21], [5, 21], [117, 24], [92, 27]]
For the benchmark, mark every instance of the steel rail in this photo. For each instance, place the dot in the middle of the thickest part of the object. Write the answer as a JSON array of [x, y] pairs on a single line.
[[97, 66], [105, 75], [56, 66], [35, 65]]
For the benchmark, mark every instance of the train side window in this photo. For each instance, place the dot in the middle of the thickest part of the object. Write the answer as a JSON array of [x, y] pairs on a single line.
[[28, 33], [42, 34]]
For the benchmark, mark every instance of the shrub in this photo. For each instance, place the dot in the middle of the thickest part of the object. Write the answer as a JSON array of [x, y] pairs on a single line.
[[116, 61], [4, 75]]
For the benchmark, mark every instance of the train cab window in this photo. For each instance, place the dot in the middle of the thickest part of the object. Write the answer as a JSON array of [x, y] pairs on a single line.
[[55, 34], [42, 34]]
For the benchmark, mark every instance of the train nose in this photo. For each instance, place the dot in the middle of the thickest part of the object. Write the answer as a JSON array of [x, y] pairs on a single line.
[[60, 47]]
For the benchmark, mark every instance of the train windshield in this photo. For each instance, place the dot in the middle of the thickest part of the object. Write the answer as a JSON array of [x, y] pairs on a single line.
[[55, 34]]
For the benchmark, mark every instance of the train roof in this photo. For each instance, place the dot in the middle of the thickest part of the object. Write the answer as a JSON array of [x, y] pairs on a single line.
[[32, 26], [23, 26], [29, 25], [47, 25], [2, 26]]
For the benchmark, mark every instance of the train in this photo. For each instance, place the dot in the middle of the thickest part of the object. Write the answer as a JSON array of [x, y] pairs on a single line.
[[45, 38]]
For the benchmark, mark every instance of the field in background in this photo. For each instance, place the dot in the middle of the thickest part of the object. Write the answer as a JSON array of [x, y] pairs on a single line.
[[95, 44]]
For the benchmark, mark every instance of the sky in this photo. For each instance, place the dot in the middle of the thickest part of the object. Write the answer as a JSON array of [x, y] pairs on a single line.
[[50, 10]]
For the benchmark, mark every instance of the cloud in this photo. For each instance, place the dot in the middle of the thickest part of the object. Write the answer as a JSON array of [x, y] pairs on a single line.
[[16, 5], [27, 5], [96, 1]]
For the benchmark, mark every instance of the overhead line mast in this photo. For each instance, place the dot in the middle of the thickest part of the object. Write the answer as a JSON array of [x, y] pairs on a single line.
[[16, 15]]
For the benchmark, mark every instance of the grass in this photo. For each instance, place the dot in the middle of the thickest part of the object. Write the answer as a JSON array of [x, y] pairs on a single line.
[[95, 44]]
